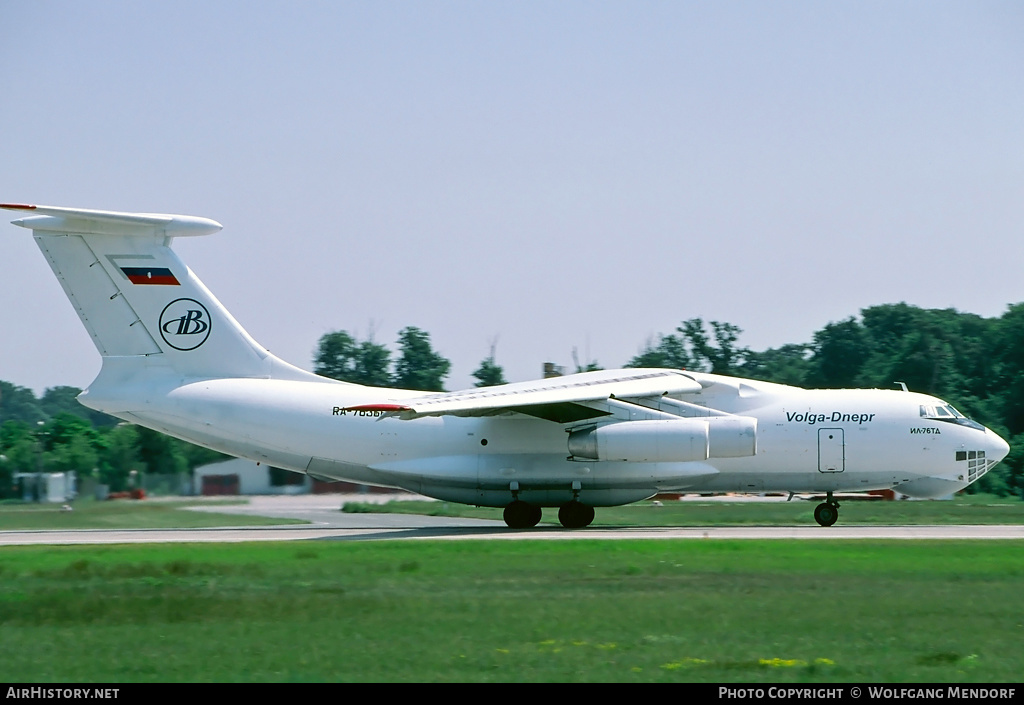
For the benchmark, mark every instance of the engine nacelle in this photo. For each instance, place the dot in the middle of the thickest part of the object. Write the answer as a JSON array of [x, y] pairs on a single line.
[[643, 441], [668, 441], [732, 436]]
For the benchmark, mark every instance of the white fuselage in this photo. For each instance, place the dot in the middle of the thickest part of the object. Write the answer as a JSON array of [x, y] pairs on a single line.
[[175, 360], [807, 441]]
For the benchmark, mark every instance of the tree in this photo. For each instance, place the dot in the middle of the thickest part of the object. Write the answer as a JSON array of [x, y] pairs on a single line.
[[692, 348], [669, 353], [19, 404], [840, 350], [339, 356], [335, 356], [160, 454], [121, 457], [788, 364], [64, 399], [489, 374], [908, 344], [20, 451], [1009, 353], [76, 455], [63, 428], [372, 365], [418, 366], [71, 444], [721, 358]]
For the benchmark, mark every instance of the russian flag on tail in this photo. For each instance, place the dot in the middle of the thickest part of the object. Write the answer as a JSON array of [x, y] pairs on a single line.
[[150, 275]]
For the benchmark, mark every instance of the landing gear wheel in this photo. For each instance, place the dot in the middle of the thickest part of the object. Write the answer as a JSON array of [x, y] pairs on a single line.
[[520, 515], [575, 515], [826, 514]]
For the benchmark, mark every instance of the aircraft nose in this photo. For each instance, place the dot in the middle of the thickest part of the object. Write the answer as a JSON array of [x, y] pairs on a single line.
[[997, 447]]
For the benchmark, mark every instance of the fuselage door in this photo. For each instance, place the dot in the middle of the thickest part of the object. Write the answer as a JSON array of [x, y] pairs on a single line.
[[831, 450]]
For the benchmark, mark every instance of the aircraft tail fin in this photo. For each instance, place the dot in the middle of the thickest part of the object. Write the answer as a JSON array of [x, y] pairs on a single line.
[[138, 300]]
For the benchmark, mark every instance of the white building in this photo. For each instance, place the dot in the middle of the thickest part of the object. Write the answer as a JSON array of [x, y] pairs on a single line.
[[240, 476]]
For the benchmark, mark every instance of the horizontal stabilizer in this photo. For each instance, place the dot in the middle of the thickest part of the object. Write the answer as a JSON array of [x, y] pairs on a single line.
[[80, 220]]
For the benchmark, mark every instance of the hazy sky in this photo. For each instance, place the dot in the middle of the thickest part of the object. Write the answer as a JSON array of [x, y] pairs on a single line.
[[550, 175]]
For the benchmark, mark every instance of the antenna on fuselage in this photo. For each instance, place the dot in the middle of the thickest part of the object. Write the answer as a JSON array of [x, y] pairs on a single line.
[[903, 386]]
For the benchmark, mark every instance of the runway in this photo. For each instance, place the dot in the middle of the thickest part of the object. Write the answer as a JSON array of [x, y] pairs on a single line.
[[461, 532], [327, 523]]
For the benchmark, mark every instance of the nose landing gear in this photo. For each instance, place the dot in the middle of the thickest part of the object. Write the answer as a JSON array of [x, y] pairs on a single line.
[[827, 512]]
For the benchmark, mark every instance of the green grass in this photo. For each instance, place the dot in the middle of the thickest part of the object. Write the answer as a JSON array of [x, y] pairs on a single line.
[[122, 514], [967, 509], [634, 611]]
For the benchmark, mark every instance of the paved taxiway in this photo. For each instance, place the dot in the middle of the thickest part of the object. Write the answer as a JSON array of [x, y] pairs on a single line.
[[328, 523]]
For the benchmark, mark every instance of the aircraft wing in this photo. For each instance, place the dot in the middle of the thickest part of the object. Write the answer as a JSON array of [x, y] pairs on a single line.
[[558, 399]]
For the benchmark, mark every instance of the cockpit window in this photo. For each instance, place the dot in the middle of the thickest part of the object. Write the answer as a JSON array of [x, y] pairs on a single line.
[[945, 412]]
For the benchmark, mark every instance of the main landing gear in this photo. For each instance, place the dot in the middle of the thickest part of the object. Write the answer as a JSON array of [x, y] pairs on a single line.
[[520, 515], [827, 512], [574, 515]]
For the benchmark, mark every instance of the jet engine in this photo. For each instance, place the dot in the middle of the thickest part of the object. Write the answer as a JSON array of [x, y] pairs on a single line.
[[667, 441]]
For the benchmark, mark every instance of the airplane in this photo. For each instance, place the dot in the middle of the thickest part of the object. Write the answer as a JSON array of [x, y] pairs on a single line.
[[175, 360]]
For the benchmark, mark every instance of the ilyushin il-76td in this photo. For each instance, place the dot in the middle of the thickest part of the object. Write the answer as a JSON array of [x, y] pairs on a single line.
[[176, 361]]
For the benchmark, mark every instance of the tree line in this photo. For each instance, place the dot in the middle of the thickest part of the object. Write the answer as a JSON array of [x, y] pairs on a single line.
[[974, 363]]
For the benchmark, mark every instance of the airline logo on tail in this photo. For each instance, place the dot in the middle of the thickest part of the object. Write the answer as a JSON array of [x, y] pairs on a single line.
[[185, 324]]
